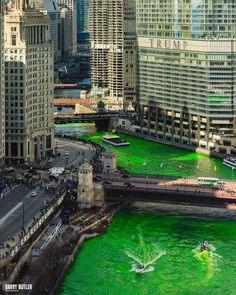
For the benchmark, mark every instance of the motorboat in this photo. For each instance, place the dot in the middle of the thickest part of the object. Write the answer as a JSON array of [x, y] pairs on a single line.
[[230, 162], [140, 270], [204, 246]]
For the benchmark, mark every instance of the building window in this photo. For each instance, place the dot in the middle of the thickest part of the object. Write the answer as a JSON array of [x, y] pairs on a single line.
[[13, 40]]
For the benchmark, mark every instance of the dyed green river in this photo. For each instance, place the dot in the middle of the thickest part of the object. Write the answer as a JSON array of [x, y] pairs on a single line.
[[165, 244], [146, 157]]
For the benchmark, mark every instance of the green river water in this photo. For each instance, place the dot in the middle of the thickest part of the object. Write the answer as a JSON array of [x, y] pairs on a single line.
[[165, 243], [143, 156], [103, 266]]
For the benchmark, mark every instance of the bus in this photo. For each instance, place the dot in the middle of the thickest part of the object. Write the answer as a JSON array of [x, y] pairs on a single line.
[[210, 181]]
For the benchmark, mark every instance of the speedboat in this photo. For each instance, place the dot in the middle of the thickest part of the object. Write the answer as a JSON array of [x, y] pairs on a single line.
[[140, 270], [230, 162], [204, 247]]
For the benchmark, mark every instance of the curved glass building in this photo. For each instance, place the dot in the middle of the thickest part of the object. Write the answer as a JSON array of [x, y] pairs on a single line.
[[187, 72]]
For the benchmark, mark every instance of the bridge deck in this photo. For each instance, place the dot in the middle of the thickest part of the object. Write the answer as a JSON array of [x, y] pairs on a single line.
[[171, 190]]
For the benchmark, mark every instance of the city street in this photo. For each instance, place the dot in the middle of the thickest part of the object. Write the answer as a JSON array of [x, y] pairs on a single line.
[[11, 210], [18, 207], [77, 152]]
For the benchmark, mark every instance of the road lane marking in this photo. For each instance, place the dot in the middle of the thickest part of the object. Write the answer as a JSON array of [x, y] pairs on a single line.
[[6, 216]]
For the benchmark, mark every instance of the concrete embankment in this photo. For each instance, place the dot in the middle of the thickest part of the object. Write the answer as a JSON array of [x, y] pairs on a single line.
[[174, 144], [84, 236], [70, 260], [173, 209]]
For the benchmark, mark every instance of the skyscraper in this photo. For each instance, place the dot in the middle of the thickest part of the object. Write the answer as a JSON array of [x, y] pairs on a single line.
[[54, 13], [186, 72], [2, 89], [113, 48], [28, 83], [71, 6], [82, 15]]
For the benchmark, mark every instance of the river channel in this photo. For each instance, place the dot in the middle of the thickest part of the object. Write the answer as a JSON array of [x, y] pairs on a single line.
[[165, 243]]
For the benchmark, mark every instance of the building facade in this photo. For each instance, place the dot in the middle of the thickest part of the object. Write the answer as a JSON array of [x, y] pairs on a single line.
[[113, 48], [54, 13], [82, 15], [28, 83], [2, 89], [71, 6], [187, 72]]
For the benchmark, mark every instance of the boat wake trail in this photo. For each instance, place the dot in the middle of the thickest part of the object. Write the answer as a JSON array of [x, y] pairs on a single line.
[[145, 254], [209, 259]]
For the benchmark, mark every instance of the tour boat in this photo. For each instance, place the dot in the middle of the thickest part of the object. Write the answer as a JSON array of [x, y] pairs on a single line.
[[114, 140], [230, 162]]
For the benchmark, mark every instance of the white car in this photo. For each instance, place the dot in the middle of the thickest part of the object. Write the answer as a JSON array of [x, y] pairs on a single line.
[[66, 153], [34, 194]]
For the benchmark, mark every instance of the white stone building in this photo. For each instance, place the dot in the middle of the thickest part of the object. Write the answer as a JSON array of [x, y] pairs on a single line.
[[109, 161], [28, 83], [89, 194], [85, 194]]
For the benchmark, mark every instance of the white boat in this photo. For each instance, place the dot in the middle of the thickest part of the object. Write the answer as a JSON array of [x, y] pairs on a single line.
[[230, 162], [140, 270], [114, 140]]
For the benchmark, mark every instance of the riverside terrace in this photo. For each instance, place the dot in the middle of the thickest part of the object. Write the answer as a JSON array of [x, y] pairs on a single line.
[[184, 191]]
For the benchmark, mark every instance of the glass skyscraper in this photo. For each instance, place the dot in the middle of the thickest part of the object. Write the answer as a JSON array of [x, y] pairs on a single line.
[[82, 15], [187, 72]]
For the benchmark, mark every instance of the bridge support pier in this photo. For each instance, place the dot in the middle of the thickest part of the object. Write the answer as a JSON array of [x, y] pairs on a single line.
[[103, 125]]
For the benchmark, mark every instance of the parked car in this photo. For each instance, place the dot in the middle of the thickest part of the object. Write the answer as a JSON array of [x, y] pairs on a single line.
[[34, 194], [129, 184], [107, 182], [125, 175]]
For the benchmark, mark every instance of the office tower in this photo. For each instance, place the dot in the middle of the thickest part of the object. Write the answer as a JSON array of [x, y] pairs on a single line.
[[2, 90], [54, 13], [65, 29], [113, 48], [71, 6], [28, 83], [82, 15], [186, 72]]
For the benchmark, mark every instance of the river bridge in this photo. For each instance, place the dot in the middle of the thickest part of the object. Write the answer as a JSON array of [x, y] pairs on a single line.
[[103, 121], [71, 102], [185, 191]]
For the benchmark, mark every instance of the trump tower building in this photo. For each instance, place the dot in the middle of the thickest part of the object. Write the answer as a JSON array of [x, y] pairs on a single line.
[[187, 72]]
